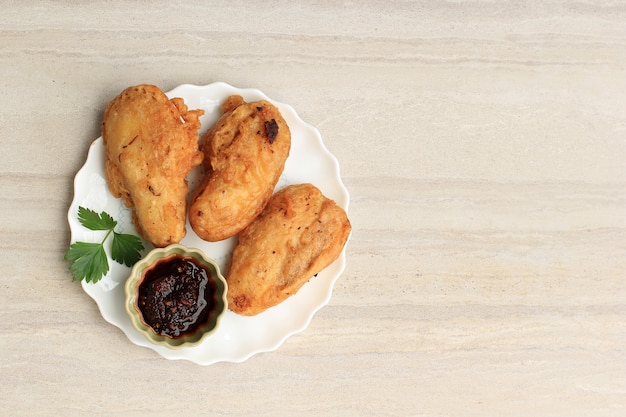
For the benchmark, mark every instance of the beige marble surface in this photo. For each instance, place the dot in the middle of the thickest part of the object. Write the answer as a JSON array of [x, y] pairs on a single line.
[[484, 147]]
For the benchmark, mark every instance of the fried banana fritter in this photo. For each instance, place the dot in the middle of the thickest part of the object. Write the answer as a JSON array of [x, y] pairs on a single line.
[[151, 146], [245, 154], [299, 233]]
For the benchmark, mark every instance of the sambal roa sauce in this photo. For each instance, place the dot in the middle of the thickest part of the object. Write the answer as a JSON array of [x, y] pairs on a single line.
[[176, 296]]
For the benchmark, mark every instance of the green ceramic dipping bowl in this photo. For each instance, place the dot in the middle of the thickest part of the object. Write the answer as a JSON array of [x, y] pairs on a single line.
[[167, 305]]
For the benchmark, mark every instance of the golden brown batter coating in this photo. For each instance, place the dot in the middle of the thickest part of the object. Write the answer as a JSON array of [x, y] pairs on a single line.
[[245, 154], [299, 233], [151, 146]]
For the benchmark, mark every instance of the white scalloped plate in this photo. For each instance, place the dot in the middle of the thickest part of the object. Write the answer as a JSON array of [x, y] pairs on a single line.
[[238, 337]]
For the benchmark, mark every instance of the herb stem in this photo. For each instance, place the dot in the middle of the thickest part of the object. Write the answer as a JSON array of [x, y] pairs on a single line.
[[106, 236]]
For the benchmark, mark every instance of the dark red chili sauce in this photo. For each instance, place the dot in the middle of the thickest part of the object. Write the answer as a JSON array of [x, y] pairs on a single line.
[[176, 296]]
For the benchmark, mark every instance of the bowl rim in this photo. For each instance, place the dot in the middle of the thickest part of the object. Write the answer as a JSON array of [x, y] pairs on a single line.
[[135, 278]]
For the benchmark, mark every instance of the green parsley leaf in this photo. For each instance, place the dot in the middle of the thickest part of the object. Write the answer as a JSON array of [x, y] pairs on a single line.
[[89, 260], [126, 249], [94, 221]]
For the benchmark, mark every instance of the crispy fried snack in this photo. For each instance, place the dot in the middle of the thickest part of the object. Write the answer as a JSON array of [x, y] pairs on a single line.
[[299, 233], [151, 146], [244, 156]]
